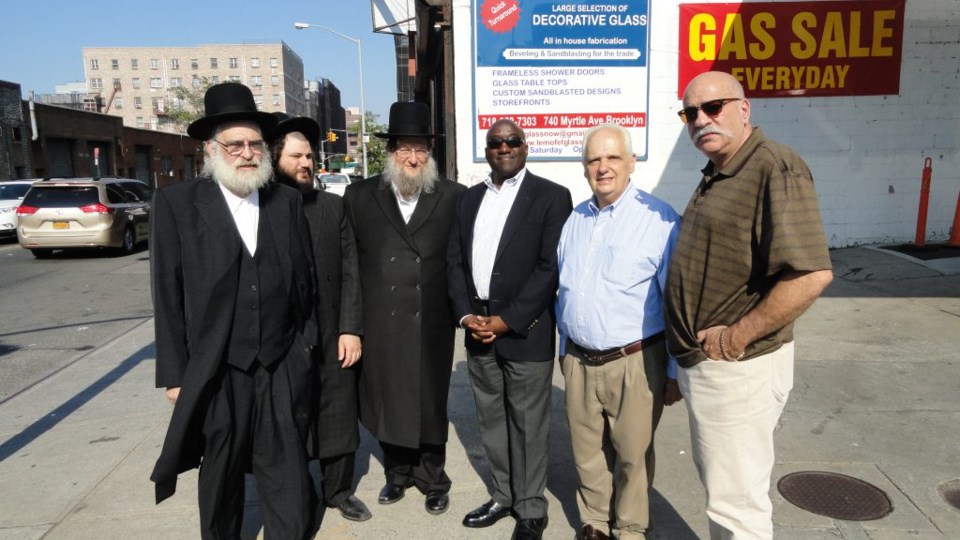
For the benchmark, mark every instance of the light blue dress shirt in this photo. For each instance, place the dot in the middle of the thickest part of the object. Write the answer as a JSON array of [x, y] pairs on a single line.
[[613, 271]]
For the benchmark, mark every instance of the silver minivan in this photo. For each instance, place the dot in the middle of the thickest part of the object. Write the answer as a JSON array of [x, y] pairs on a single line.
[[63, 213]]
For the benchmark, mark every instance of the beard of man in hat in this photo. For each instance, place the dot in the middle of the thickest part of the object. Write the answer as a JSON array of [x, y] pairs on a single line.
[[409, 167], [241, 173]]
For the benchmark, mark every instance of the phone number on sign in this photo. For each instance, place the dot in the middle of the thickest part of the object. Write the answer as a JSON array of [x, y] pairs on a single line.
[[584, 120]]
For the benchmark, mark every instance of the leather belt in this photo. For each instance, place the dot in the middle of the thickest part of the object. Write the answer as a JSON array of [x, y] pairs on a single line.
[[599, 358]]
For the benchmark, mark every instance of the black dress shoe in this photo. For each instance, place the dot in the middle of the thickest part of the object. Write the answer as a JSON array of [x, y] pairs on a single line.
[[437, 502], [488, 514], [391, 493], [589, 533], [353, 509], [529, 528]]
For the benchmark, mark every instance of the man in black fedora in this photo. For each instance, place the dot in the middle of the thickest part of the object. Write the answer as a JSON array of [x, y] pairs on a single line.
[[232, 281], [336, 435], [401, 219]]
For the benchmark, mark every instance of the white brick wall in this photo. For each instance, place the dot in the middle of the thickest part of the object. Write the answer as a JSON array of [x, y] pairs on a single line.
[[866, 152]]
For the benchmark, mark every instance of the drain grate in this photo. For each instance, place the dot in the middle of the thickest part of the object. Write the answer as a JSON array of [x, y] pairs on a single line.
[[950, 491], [835, 495]]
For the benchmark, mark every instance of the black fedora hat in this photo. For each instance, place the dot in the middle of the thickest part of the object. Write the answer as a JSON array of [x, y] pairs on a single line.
[[289, 124], [408, 119], [228, 102]]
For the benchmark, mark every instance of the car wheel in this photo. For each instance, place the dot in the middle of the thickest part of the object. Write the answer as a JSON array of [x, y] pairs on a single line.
[[129, 241], [42, 253]]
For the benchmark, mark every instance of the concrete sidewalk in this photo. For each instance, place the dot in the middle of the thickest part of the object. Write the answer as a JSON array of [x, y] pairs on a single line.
[[875, 397]]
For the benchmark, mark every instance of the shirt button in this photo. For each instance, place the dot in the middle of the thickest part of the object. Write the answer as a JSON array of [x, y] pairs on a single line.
[[393, 259], [394, 312], [418, 260], [418, 286], [253, 287], [393, 287]]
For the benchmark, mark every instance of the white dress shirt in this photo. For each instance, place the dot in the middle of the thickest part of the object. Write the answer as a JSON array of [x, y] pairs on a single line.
[[488, 228], [407, 206], [246, 215]]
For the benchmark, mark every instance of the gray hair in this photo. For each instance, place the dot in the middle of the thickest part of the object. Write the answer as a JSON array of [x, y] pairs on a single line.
[[622, 131]]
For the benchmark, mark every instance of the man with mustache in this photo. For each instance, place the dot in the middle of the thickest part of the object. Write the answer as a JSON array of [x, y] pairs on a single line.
[[401, 220], [232, 282], [750, 259], [336, 435], [502, 268]]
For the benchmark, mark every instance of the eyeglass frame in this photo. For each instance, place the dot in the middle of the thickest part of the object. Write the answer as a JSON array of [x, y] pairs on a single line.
[[405, 151], [688, 115], [513, 141], [257, 146]]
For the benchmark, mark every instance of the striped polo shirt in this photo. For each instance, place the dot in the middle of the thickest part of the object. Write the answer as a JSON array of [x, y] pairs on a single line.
[[743, 226]]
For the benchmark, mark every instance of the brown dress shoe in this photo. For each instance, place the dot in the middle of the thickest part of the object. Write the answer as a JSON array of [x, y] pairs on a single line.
[[589, 533]]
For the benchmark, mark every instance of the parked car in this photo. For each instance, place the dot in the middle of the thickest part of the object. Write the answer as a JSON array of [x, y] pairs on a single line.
[[11, 194], [334, 182], [64, 213]]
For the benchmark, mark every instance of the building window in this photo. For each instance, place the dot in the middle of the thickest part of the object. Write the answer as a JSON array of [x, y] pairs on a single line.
[[254, 62], [196, 81], [194, 63], [154, 63], [96, 83], [258, 100], [153, 123], [157, 104], [180, 103], [215, 79], [116, 84], [213, 63], [136, 82], [275, 80], [233, 63], [176, 82], [94, 63], [114, 64], [134, 64], [118, 103], [276, 99], [273, 62], [256, 80], [155, 82], [137, 102], [234, 78], [174, 63], [139, 121]]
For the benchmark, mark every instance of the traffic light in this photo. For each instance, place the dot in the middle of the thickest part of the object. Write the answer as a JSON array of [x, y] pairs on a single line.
[[331, 136]]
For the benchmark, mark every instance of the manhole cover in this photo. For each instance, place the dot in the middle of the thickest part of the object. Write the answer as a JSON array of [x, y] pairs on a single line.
[[950, 491], [835, 495]]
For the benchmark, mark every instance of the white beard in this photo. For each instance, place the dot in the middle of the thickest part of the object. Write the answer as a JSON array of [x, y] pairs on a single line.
[[395, 176], [239, 182]]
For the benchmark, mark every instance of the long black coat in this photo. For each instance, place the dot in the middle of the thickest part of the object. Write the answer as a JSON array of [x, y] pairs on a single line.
[[338, 285], [408, 328], [195, 256]]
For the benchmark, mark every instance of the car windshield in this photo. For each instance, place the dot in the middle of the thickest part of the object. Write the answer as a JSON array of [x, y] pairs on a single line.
[[62, 197], [334, 179], [13, 191]]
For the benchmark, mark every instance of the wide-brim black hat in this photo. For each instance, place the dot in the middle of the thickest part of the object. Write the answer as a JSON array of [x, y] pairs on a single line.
[[408, 119], [289, 124], [229, 102]]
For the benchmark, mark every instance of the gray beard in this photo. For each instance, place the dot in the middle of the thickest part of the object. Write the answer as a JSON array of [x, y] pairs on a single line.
[[405, 185], [240, 183]]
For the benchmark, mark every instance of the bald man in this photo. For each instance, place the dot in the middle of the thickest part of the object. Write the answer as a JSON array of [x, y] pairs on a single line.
[[751, 257]]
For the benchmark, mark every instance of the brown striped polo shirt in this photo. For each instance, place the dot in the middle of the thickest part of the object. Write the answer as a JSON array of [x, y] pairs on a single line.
[[745, 224]]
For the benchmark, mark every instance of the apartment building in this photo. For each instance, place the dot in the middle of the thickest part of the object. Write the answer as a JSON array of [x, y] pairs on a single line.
[[136, 83]]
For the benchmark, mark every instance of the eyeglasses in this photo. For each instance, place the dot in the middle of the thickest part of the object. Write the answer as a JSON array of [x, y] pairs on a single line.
[[235, 148], [710, 108], [405, 151], [512, 141]]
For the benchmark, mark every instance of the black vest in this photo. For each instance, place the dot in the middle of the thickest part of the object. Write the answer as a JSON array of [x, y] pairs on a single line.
[[263, 326]]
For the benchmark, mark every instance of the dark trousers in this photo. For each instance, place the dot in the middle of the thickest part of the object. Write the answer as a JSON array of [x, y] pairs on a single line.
[[513, 413], [249, 426], [337, 474], [421, 467]]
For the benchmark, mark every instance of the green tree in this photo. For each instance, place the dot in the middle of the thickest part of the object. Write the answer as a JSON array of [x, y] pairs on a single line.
[[376, 148], [186, 103]]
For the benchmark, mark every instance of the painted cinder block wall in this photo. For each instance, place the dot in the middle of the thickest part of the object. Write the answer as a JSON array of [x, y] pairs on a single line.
[[866, 152]]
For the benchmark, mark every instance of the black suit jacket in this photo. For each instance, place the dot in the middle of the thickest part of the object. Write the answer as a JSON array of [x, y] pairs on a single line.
[[195, 256], [523, 286]]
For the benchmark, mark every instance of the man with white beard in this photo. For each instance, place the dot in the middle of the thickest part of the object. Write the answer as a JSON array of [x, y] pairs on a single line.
[[234, 308], [401, 220]]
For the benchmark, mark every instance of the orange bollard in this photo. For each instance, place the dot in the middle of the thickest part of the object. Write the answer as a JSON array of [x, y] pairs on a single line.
[[921, 238], [955, 231]]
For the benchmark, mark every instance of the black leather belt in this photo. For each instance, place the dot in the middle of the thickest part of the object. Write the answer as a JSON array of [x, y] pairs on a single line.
[[599, 358]]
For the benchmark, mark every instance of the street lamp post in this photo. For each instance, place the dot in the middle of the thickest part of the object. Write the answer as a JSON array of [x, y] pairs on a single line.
[[363, 109]]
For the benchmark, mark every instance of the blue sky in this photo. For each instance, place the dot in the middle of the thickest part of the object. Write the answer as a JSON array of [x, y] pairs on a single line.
[[42, 40]]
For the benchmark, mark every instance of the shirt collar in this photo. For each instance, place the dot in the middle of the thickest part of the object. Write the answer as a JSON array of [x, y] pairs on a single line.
[[613, 206], [755, 139], [512, 181], [234, 202]]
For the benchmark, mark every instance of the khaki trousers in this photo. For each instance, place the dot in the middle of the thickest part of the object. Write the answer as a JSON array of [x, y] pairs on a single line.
[[613, 411], [733, 409]]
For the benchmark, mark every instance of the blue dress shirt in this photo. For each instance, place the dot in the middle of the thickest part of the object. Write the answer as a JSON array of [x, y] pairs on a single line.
[[613, 271]]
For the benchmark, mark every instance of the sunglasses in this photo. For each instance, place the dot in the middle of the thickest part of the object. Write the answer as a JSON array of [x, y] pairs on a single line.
[[710, 108], [512, 141]]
